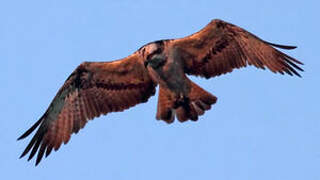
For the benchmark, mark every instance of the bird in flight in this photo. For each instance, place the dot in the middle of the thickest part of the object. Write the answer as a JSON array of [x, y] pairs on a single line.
[[96, 88]]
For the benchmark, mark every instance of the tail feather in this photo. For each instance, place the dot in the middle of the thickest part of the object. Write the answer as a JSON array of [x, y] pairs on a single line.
[[198, 102], [165, 103], [185, 108]]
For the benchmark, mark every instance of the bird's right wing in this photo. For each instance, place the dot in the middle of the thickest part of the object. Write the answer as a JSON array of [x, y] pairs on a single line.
[[220, 47], [94, 88]]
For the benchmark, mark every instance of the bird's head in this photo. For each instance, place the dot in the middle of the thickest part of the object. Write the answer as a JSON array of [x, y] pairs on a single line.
[[153, 54]]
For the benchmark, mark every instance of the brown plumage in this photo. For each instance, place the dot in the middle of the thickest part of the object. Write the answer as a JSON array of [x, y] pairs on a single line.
[[96, 88]]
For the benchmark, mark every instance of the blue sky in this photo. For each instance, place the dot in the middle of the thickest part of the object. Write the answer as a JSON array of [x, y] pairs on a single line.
[[264, 126]]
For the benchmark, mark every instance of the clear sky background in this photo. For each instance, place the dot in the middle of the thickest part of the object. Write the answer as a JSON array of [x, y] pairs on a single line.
[[265, 126]]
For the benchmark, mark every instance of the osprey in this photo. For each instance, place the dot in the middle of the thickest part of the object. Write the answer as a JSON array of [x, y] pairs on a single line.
[[96, 88]]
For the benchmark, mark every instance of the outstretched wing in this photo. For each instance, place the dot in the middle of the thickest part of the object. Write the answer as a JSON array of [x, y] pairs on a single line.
[[94, 88], [220, 47]]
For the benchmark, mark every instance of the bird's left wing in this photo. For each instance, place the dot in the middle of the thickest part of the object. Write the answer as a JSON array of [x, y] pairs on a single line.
[[93, 88], [221, 47]]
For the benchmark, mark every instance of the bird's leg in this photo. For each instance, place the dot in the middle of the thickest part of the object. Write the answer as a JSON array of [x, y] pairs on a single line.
[[181, 99]]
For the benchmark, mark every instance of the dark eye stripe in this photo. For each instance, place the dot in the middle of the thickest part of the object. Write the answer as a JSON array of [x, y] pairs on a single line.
[[158, 51]]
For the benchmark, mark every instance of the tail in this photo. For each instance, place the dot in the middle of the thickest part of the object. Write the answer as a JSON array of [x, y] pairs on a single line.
[[185, 108]]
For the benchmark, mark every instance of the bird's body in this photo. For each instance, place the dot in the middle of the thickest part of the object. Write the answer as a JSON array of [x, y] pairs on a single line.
[[178, 95], [96, 88]]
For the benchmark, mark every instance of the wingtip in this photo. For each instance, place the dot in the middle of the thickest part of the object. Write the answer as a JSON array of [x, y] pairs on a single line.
[[30, 130], [21, 137], [23, 153], [21, 156], [299, 75], [29, 158], [283, 46], [289, 47], [24, 135]]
